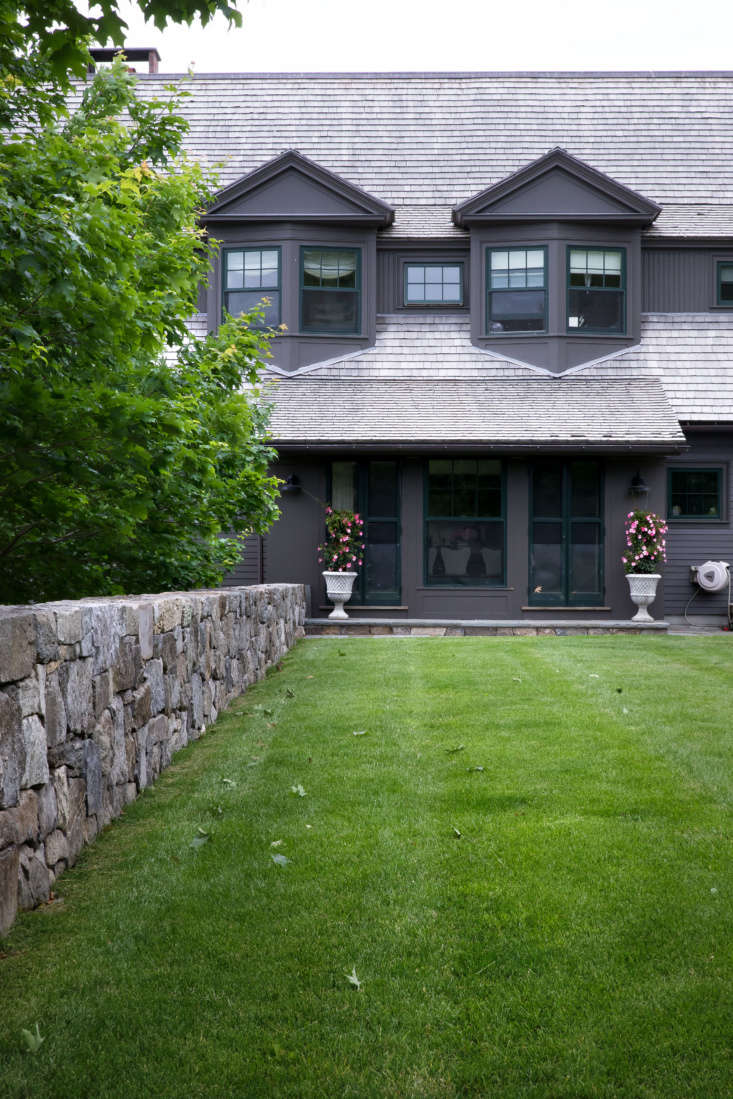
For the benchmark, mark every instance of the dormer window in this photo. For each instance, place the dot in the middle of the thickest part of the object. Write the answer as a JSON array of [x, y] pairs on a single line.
[[596, 290], [517, 283], [251, 274], [330, 290], [433, 284]]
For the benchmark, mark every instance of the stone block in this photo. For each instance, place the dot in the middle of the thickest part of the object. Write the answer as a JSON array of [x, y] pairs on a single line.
[[145, 630], [27, 817], [69, 624], [32, 692], [168, 613], [428, 631], [55, 711], [102, 737], [47, 809], [12, 750], [197, 701], [56, 847], [102, 691], [75, 680], [141, 705], [17, 644], [76, 818], [93, 777], [141, 771], [128, 664], [8, 828], [153, 673], [9, 865], [34, 880], [47, 645], [166, 649], [35, 771]]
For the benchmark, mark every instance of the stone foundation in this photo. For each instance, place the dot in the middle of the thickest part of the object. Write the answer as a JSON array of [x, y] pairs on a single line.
[[97, 695]]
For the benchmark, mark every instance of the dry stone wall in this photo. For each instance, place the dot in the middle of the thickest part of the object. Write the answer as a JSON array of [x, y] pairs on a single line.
[[97, 695]]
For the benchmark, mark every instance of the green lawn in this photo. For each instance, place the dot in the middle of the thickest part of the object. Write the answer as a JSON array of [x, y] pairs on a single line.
[[573, 940]]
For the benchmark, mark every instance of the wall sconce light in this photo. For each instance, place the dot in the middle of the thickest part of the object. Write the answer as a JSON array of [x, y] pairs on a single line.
[[292, 485], [638, 486]]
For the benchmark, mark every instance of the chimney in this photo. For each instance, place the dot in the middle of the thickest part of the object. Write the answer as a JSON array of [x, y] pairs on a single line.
[[132, 53]]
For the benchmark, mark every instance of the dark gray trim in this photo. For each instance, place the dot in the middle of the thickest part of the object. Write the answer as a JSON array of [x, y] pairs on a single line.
[[458, 445], [372, 211], [431, 74], [476, 210]]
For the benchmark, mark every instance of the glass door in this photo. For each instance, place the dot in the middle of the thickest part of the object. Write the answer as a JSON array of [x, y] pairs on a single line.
[[372, 489], [566, 534]]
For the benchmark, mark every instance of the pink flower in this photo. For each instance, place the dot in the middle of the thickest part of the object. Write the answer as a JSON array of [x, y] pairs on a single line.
[[360, 561]]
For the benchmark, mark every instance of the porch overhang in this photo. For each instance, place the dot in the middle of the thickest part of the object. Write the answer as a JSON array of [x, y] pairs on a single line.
[[562, 415]]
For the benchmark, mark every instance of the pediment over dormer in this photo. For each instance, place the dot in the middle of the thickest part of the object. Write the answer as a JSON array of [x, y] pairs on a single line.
[[557, 187], [293, 188]]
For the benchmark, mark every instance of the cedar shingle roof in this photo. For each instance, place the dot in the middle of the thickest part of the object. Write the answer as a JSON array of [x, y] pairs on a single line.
[[424, 142], [577, 412]]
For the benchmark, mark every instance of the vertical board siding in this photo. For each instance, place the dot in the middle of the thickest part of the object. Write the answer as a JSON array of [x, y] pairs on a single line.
[[694, 543], [249, 569], [680, 281]]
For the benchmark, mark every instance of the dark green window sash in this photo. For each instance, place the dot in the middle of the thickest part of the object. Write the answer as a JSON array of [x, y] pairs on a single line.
[[356, 290], [360, 504], [540, 289], [273, 287], [675, 489], [595, 290], [724, 285], [494, 520]]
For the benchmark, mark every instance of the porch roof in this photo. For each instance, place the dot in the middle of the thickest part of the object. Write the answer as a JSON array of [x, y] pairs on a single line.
[[502, 413]]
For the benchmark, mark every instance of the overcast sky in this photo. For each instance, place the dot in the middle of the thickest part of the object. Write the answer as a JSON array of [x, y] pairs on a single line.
[[453, 35]]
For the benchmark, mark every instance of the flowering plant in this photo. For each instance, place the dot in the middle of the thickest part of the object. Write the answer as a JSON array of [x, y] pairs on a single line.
[[645, 541], [343, 549]]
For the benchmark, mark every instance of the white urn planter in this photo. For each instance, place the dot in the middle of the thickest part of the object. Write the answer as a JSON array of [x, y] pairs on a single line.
[[338, 589], [643, 592]]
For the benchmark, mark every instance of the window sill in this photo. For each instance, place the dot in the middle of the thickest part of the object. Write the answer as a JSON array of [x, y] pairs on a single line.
[[329, 335], [464, 587], [549, 608]]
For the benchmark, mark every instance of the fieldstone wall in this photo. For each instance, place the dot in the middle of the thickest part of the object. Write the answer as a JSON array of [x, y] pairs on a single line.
[[97, 695]]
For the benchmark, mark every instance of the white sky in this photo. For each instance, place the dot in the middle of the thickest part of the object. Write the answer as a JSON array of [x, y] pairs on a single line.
[[440, 35]]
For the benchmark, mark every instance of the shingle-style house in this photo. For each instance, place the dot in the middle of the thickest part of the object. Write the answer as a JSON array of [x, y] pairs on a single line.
[[509, 309]]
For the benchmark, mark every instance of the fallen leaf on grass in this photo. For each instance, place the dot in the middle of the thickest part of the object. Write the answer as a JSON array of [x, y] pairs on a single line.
[[31, 1041], [469, 769], [353, 979], [290, 693], [359, 732], [228, 782], [280, 860], [460, 748], [517, 678], [267, 713], [593, 675], [199, 840], [456, 833], [276, 843], [298, 790]]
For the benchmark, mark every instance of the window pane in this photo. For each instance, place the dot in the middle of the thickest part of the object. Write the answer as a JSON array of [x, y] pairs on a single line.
[[695, 493], [585, 489], [343, 486], [499, 261], [415, 291], [235, 261], [381, 559], [415, 274], [451, 293], [598, 310], [452, 274], [434, 275], [382, 489], [726, 282], [465, 553], [585, 559], [547, 559], [547, 491], [612, 262], [242, 301], [252, 261], [518, 311], [330, 311]]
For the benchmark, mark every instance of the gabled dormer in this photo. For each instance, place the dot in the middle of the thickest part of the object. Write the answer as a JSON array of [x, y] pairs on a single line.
[[293, 187], [304, 238], [556, 263]]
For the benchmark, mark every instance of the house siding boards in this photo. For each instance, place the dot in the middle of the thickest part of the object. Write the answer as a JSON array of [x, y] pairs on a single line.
[[690, 543], [424, 380]]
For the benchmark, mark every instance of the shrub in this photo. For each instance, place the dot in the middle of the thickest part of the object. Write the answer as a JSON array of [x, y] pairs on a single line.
[[645, 542], [343, 548]]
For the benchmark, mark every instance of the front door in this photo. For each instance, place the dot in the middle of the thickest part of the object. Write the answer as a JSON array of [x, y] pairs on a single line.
[[566, 534]]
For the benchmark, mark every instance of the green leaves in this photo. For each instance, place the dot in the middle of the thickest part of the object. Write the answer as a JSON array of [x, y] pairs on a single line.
[[202, 837], [298, 789], [121, 470]]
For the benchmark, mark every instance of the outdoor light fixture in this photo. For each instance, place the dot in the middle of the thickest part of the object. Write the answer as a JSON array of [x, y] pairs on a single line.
[[638, 486], [292, 485]]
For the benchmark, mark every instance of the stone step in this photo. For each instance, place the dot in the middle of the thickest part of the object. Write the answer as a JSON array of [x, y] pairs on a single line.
[[454, 627]]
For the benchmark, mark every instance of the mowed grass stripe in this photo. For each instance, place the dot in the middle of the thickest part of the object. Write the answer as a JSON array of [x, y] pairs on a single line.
[[567, 943]]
